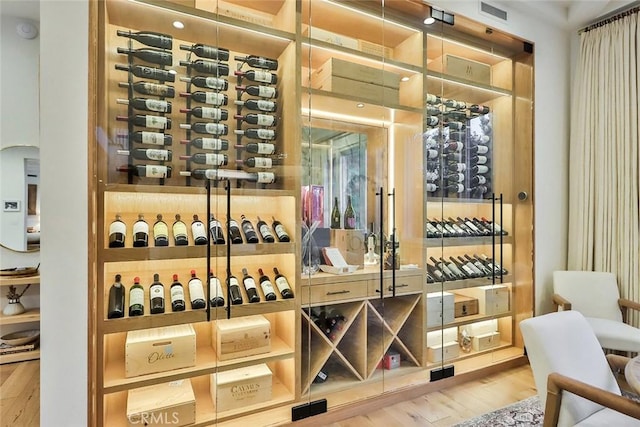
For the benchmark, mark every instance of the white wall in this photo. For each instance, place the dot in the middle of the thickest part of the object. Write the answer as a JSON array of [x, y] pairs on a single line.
[[63, 106], [552, 53]]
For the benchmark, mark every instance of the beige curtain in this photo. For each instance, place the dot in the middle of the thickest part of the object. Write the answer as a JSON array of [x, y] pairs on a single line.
[[604, 156]]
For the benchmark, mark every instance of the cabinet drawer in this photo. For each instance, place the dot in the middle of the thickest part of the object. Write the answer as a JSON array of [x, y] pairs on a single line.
[[333, 292], [404, 285]]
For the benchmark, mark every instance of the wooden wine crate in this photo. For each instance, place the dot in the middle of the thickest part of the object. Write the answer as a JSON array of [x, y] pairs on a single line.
[[442, 352], [441, 336], [485, 341], [160, 349], [357, 88], [168, 404], [351, 245], [492, 299], [330, 37], [465, 306], [467, 69], [335, 67], [481, 328], [242, 336], [241, 387]]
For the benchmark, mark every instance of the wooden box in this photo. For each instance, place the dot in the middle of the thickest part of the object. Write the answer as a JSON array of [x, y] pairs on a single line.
[[492, 299], [485, 341], [468, 69], [464, 306], [481, 328], [356, 88], [160, 349], [241, 387], [351, 245], [168, 404], [441, 336], [442, 352], [351, 71], [440, 309], [333, 38], [242, 336]]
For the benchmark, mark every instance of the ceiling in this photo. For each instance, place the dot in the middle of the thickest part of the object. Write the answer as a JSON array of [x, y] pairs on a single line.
[[28, 9]]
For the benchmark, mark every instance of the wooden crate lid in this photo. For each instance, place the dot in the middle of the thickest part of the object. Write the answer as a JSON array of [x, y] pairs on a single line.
[[165, 332]]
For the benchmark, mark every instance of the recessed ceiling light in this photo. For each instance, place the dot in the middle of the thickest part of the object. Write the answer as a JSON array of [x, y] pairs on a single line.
[[429, 21], [360, 105], [405, 79], [178, 24]]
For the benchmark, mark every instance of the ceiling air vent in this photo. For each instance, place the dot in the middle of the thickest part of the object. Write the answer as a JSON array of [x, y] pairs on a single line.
[[493, 11]]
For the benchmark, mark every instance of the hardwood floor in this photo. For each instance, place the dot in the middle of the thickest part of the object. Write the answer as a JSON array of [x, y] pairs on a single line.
[[20, 400], [20, 394]]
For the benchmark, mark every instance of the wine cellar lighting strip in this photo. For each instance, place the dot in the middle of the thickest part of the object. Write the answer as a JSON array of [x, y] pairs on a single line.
[[376, 17], [470, 86], [345, 117], [477, 49]]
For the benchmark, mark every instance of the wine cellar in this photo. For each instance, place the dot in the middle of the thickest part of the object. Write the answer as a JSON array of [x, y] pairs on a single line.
[[302, 202]]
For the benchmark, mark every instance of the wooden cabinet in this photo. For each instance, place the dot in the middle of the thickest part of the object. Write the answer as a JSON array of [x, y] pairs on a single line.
[[26, 320]]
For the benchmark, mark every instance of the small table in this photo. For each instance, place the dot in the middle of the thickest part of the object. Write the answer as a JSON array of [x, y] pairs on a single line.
[[632, 373]]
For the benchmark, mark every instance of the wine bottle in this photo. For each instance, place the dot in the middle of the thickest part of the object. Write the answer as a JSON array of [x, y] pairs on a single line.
[[117, 233], [467, 271], [455, 188], [464, 227], [153, 89], [160, 232], [442, 266], [431, 121], [250, 286], [492, 264], [215, 229], [177, 295], [146, 104], [208, 67], [471, 226], [485, 230], [206, 51], [479, 109], [478, 160], [148, 154], [206, 128], [207, 113], [267, 286], [213, 144], [140, 233], [217, 298], [496, 227], [281, 232], [479, 265], [196, 292], [349, 216], [259, 147], [432, 111], [455, 178], [154, 122], [179, 228], [151, 138], [213, 98], [258, 105], [258, 133], [156, 295], [116, 299], [234, 231], [258, 119], [250, 234], [199, 231], [282, 284], [221, 174], [154, 56], [471, 267], [215, 83], [136, 298], [258, 162], [261, 91], [433, 99], [457, 229], [432, 232], [335, 215], [148, 72], [214, 159], [234, 290], [432, 153], [265, 231], [258, 76], [452, 231], [452, 147], [453, 268], [258, 62], [437, 274], [431, 188], [477, 179], [477, 149], [149, 38]]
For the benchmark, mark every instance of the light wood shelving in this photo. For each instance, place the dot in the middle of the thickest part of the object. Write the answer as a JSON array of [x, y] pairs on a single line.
[[28, 318]]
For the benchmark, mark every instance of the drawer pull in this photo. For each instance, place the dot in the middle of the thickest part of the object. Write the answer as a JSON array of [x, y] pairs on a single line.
[[402, 285], [338, 292]]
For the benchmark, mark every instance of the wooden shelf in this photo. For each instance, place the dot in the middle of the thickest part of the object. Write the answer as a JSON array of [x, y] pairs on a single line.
[[193, 190], [503, 345], [470, 319], [20, 357], [438, 242], [19, 280], [31, 315], [468, 283]]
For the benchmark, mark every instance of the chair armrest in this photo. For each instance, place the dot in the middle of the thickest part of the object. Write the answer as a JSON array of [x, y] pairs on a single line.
[[560, 301], [624, 304], [617, 362], [556, 383]]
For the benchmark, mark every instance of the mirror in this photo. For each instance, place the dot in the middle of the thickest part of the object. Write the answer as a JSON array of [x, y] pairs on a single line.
[[20, 198]]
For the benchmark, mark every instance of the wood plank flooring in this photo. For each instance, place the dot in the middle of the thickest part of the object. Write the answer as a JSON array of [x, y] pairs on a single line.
[[20, 394]]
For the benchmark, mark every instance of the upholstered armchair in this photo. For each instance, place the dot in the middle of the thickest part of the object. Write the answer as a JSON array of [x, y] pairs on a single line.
[[596, 295], [575, 383]]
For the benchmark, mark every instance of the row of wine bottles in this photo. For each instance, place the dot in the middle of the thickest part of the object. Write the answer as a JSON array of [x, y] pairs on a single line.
[[328, 319], [462, 268], [349, 215], [196, 293], [235, 233], [214, 159], [455, 105], [463, 227]]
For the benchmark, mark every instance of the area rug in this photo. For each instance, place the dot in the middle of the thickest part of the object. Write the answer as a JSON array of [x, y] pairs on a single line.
[[525, 413]]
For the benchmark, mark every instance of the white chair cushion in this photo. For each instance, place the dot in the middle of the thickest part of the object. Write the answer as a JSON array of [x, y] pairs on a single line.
[[615, 335], [607, 418], [592, 293]]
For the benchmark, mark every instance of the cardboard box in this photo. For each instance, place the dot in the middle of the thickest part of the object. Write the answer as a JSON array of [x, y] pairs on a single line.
[[391, 360], [481, 328], [440, 353], [168, 404], [241, 387], [333, 38], [440, 309], [441, 336], [351, 245], [162, 349], [464, 306], [485, 341], [356, 88], [242, 336], [335, 67], [492, 299], [375, 49]]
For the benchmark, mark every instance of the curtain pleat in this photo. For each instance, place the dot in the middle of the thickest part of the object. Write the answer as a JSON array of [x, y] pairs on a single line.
[[604, 159]]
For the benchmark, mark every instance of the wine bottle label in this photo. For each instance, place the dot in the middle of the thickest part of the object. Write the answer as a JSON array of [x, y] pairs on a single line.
[[216, 287], [211, 113], [214, 144], [213, 174], [215, 224], [265, 105], [214, 128], [160, 229], [482, 179], [152, 138], [140, 227], [460, 167], [458, 177], [482, 169], [208, 51], [482, 160], [154, 154], [249, 283], [262, 76], [198, 230], [177, 293], [214, 159], [282, 284], [280, 231], [233, 282], [214, 98], [432, 176], [264, 148], [136, 296], [467, 270], [265, 134], [156, 291], [265, 120], [262, 162], [351, 222], [431, 187], [233, 224], [155, 171], [458, 188], [214, 83], [267, 287], [264, 230], [432, 121], [432, 154], [196, 291], [266, 177], [118, 227], [156, 105], [483, 149], [266, 92], [155, 89], [156, 122], [179, 229]]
